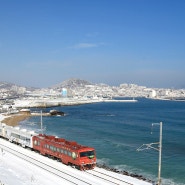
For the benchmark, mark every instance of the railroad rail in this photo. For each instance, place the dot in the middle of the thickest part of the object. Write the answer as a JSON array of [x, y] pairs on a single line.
[[89, 177], [70, 178], [47, 167], [108, 178]]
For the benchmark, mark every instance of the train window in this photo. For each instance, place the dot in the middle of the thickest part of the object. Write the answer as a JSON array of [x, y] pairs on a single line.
[[62, 151], [54, 149], [51, 147], [65, 152], [69, 153], [22, 138], [35, 142], [74, 155], [15, 135], [89, 154], [58, 149], [47, 146]]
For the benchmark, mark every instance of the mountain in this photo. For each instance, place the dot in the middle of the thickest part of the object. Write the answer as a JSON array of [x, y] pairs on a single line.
[[6, 85], [72, 83], [12, 86]]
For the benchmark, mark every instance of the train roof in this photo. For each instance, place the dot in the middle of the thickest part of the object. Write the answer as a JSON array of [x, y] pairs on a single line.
[[62, 142], [19, 131]]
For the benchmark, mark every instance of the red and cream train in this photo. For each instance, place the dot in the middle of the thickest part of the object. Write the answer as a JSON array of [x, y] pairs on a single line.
[[68, 152]]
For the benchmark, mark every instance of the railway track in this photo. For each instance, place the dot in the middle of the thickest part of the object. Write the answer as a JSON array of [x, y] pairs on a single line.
[[96, 176], [47, 167], [107, 177]]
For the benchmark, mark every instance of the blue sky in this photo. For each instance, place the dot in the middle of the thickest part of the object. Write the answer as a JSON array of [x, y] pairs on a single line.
[[44, 42]]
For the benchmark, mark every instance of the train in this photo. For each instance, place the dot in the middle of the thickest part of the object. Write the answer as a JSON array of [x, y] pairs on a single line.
[[68, 152]]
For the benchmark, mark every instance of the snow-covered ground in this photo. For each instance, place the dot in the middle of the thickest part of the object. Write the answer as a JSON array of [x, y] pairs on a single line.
[[16, 171], [2, 117], [48, 102]]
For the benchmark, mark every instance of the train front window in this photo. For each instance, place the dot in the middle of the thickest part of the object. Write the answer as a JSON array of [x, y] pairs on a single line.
[[89, 154]]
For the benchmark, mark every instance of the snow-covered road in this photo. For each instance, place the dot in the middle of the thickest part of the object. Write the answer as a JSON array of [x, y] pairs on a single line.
[[21, 168]]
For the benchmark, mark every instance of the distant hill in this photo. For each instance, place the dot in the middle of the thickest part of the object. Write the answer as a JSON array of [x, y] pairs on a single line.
[[71, 83], [6, 85], [10, 86]]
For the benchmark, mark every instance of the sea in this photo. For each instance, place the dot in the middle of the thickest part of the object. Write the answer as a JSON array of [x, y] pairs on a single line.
[[117, 129]]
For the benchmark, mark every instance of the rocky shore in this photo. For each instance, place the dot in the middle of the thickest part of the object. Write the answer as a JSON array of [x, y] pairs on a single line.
[[140, 177]]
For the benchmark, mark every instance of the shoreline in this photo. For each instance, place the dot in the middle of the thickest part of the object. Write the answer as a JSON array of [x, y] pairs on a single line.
[[123, 172], [15, 119]]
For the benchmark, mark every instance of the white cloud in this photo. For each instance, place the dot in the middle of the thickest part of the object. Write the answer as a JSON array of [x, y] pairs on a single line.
[[87, 45]]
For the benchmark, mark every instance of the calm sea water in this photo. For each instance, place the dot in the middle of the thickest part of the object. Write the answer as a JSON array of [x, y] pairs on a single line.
[[116, 130]]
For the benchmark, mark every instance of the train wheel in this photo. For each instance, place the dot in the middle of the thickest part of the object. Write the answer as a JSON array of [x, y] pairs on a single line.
[[81, 168], [59, 160]]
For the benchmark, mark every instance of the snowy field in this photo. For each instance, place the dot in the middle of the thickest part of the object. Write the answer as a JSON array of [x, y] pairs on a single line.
[[17, 171]]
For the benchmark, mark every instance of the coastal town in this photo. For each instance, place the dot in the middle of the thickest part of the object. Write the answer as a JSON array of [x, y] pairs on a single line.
[[76, 91], [16, 100]]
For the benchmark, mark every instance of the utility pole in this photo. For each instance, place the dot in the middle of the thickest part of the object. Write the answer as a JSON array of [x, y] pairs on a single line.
[[159, 149], [160, 153], [41, 124]]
